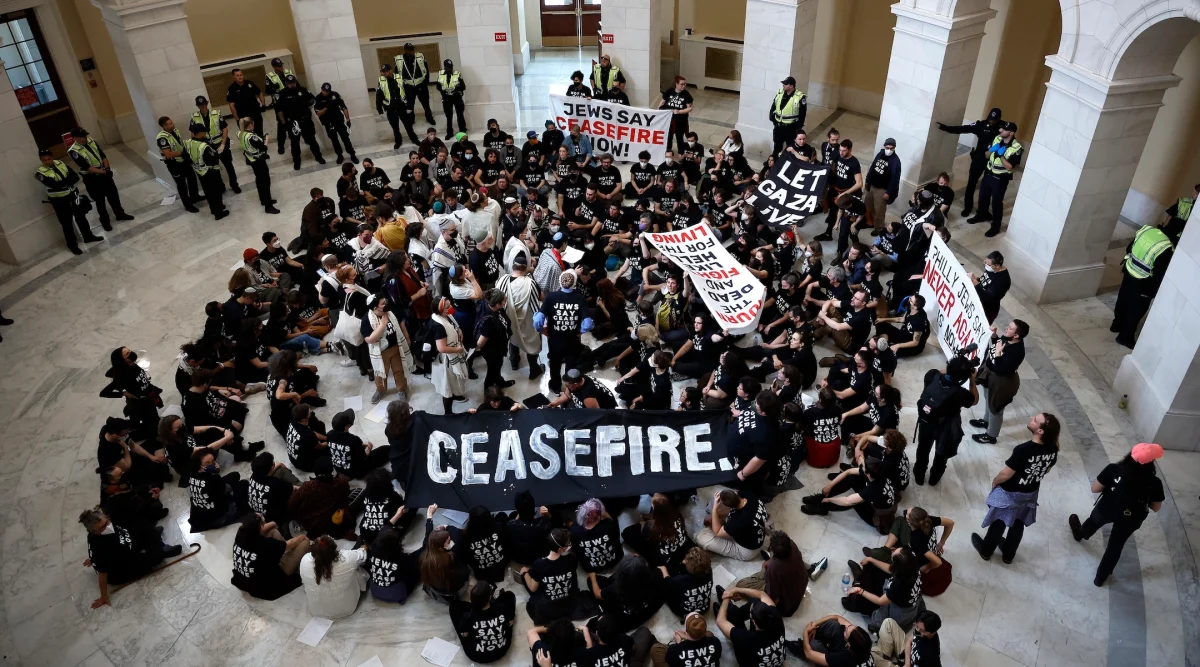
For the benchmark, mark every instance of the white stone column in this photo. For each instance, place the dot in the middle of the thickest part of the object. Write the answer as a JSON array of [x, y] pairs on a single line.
[[25, 229], [779, 43], [329, 45], [1078, 169], [485, 59], [929, 80], [636, 47], [157, 58]]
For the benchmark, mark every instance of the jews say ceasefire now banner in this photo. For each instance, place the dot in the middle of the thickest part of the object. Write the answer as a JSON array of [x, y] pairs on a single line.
[[614, 128], [733, 295], [791, 192], [955, 312], [563, 456]]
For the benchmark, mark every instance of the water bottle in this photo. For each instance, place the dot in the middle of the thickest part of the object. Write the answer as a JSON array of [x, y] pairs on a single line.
[[1124, 402], [845, 582]]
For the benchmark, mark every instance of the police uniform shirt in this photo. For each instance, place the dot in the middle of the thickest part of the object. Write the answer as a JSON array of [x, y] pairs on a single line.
[[845, 171], [165, 144], [1031, 462], [1014, 159], [85, 149], [333, 105], [244, 97], [295, 104]]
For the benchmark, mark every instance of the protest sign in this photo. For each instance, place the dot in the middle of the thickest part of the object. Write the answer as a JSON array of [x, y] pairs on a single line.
[[614, 128], [733, 295], [563, 456], [955, 314], [791, 192]]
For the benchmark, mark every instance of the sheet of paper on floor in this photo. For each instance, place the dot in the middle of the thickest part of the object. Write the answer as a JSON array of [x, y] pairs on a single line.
[[352, 403], [314, 631], [439, 652], [722, 577]]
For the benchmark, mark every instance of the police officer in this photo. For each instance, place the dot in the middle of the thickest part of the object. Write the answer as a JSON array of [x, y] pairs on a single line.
[[787, 114], [60, 181], [171, 147], [414, 74], [1002, 157], [390, 99], [1129, 492], [604, 79], [97, 176], [295, 102], [275, 86], [451, 85], [1177, 216], [254, 148], [1145, 264], [985, 132], [205, 160], [217, 132], [335, 117], [245, 100]]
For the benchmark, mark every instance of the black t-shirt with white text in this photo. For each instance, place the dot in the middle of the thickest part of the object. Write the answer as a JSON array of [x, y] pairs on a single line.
[[1031, 462], [748, 525], [600, 547]]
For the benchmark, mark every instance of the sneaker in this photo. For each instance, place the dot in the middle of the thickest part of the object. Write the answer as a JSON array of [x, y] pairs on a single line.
[[984, 438], [814, 499], [855, 569], [795, 647], [833, 475], [272, 210], [255, 387], [979, 423], [814, 510], [257, 446], [345, 363], [816, 569], [980, 547], [376, 396], [826, 236], [1076, 527], [992, 233], [866, 551]]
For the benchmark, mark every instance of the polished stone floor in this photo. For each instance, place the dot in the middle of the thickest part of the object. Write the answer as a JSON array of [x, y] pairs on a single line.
[[145, 287]]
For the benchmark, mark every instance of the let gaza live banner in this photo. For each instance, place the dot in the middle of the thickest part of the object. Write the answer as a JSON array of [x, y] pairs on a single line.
[[733, 295], [955, 313], [614, 128], [791, 192], [563, 456]]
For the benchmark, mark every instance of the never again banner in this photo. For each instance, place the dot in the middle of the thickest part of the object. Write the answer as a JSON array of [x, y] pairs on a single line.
[[733, 295], [955, 312], [792, 192], [614, 128], [563, 456]]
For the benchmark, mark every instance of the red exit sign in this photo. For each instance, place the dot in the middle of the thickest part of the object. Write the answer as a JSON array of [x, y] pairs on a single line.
[[606, 38], [502, 37]]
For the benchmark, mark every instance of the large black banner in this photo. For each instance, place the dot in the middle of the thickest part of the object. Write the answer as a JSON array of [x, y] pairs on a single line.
[[792, 192], [563, 456]]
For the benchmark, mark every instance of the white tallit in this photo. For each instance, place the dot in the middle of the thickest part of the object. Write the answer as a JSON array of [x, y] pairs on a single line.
[[449, 372], [524, 299]]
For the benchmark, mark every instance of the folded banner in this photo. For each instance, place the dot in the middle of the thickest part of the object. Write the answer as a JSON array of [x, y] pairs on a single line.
[[792, 192], [614, 128], [953, 306], [733, 295], [563, 456]]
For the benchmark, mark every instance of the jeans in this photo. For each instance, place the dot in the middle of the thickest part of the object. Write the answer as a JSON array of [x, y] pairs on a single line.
[[994, 419], [302, 343], [707, 539]]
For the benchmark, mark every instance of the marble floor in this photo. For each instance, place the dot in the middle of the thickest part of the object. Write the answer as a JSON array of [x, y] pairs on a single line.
[[145, 288]]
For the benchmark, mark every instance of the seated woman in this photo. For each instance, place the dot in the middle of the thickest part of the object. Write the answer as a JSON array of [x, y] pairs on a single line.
[[280, 333], [204, 354], [322, 504], [251, 352], [609, 314], [306, 317], [334, 579], [383, 508], [874, 496], [657, 383], [662, 539], [890, 448], [213, 503], [142, 460], [181, 441], [264, 563], [721, 387], [305, 437], [350, 455], [482, 542], [556, 643], [443, 576], [528, 528], [868, 420], [485, 624], [633, 594], [121, 553], [690, 591], [698, 356], [393, 572], [830, 641], [551, 582], [897, 597], [290, 384], [908, 339], [132, 382], [129, 503], [913, 529], [206, 404], [597, 536]]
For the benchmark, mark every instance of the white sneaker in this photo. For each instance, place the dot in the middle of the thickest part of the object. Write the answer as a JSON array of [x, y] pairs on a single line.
[[255, 387], [347, 362]]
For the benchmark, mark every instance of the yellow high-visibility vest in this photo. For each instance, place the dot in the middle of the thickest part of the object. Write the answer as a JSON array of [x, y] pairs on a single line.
[[790, 113], [1148, 244]]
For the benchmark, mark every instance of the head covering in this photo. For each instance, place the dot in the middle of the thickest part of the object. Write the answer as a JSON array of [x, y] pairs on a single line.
[[447, 63], [558, 236], [509, 201], [201, 100], [889, 142], [249, 254], [1010, 126], [521, 261], [78, 132], [408, 46], [326, 87], [385, 68], [790, 81], [925, 194], [276, 62], [994, 114], [460, 136], [549, 123], [587, 325], [343, 419], [445, 223], [45, 152], [438, 207], [531, 134], [573, 376], [291, 78], [197, 128], [1145, 452]]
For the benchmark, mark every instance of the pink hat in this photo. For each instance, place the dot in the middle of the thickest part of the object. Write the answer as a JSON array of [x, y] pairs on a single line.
[[1146, 452]]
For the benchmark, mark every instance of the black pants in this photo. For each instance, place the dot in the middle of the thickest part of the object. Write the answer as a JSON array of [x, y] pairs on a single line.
[[1123, 527], [376, 459], [495, 363], [926, 436], [66, 212], [978, 166], [678, 131], [831, 216], [214, 187], [309, 132], [334, 132], [281, 131], [1008, 543], [455, 104], [262, 180], [398, 115], [561, 353], [991, 198], [101, 187], [419, 92], [185, 182], [227, 160], [1132, 305], [783, 136]]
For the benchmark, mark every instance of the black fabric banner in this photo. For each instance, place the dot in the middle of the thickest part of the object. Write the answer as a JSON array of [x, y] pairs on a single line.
[[792, 192], [563, 456]]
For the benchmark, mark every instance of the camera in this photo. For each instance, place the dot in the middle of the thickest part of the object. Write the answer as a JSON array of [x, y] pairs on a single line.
[[965, 353]]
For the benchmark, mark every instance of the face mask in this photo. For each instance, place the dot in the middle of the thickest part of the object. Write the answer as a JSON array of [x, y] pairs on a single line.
[[643, 225], [468, 156], [275, 244], [132, 357], [888, 152], [808, 253], [450, 310], [691, 143], [450, 545], [989, 269], [454, 235], [670, 161], [212, 467], [566, 551], [553, 228]]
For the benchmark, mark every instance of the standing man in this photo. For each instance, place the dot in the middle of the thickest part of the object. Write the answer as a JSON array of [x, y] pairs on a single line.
[[274, 87], [295, 102], [335, 117], [679, 101], [170, 146], [847, 182], [97, 176], [985, 132], [217, 132], [562, 315], [245, 101], [414, 73], [451, 85], [1177, 216], [60, 181], [883, 185], [992, 285], [1003, 156], [605, 78], [390, 99], [254, 148], [787, 114], [205, 160], [1146, 259]]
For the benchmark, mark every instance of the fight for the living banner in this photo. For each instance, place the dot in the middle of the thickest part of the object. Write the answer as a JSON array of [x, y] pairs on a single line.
[[614, 128], [563, 456], [791, 192], [733, 295], [955, 314]]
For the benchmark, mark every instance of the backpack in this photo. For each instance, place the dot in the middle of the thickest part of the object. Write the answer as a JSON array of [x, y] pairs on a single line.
[[424, 347], [933, 406]]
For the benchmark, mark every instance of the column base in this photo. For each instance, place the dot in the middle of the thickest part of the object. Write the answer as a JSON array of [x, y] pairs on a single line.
[[1049, 286], [1154, 420], [29, 241]]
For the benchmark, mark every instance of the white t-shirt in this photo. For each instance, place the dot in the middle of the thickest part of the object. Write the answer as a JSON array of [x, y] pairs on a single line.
[[337, 596]]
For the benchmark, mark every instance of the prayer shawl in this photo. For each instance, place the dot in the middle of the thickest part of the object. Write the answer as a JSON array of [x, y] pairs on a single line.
[[450, 370], [550, 267], [524, 299], [376, 349], [512, 250]]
